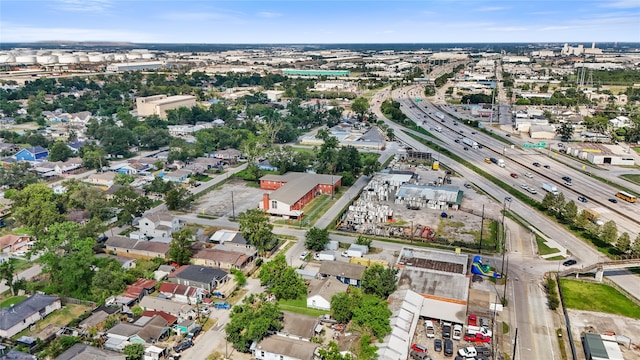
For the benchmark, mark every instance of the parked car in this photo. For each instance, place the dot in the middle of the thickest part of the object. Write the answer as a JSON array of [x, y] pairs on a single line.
[[183, 346], [569, 262], [194, 332], [477, 337], [222, 305], [582, 199], [218, 294], [419, 348], [345, 254], [437, 345], [468, 352], [303, 256], [416, 355], [448, 347]]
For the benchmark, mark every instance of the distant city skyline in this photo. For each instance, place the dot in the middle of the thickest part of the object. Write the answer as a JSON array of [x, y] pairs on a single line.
[[328, 21]]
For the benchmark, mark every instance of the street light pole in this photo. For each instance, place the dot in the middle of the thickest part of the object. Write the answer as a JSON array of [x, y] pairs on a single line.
[[233, 207], [481, 230]]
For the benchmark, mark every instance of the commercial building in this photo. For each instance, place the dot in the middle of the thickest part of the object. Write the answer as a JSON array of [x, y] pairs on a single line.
[[135, 66], [601, 154], [297, 72], [293, 191], [159, 104], [601, 347]]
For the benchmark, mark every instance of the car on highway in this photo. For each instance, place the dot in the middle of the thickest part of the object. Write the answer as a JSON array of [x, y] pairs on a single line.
[[467, 185], [566, 178], [419, 348], [568, 183], [582, 199], [529, 175], [458, 141], [514, 175], [183, 346], [532, 190], [547, 167], [473, 133], [507, 198], [437, 345], [560, 145], [569, 262], [524, 186], [508, 135], [614, 200], [455, 123], [466, 148], [536, 164]]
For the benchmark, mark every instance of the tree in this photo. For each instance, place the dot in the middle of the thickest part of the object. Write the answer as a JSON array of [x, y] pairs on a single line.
[[59, 152], [373, 314], [178, 198], [360, 106], [548, 201], [7, 272], [365, 350], [36, 207], [281, 279], [635, 247], [239, 277], [255, 227], [565, 131], [123, 179], [316, 239], [252, 321], [624, 243], [17, 176], [134, 351], [609, 232], [180, 249], [569, 212], [130, 204], [363, 240], [342, 305], [379, 281], [332, 353]]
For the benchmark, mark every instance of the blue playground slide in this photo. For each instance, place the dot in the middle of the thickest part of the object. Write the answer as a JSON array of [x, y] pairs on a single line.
[[485, 270]]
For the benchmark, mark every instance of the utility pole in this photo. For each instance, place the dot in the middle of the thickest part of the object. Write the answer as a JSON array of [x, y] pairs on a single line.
[[515, 345], [233, 207], [504, 276]]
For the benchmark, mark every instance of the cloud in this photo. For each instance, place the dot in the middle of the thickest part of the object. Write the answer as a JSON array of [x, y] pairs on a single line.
[[490, 8], [11, 32], [507, 28], [83, 5], [556, 28], [621, 4], [268, 15]]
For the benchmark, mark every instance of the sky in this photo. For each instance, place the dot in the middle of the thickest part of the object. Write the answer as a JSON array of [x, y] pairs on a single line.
[[324, 21]]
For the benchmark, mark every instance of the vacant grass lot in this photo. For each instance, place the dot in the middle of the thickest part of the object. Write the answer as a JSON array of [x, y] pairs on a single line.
[[543, 249], [634, 178], [299, 306], [602, 298]]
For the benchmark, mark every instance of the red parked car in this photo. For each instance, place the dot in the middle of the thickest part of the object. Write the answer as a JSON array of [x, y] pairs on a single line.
[[472, 320], [419, 348], [477, 337]]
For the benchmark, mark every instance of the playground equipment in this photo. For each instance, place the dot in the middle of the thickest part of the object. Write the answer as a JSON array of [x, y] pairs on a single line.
[[485, 270], [427, 233]]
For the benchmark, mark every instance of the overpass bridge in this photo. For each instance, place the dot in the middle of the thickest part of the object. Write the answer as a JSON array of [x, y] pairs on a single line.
[[600, 267]]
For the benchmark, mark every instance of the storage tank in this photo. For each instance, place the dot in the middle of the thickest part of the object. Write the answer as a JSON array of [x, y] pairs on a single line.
[[47, 59], [7, 59], [119, 57], [134, 56], [96, 58], [108, 57], [83, 58], [148, 56], [26, 59], [68, 59]]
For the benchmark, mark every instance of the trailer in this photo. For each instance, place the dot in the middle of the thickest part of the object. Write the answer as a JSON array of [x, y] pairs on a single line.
[[549, 187], [479, 330], [440, 116], [325, 256], [470, 142]]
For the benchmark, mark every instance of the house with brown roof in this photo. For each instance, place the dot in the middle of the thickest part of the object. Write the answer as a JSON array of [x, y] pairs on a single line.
[[140, 288], [298, 326], [181, 311], [102, 179], [11, 243], [221, 258], [137, 249], [293, 190], [182, 293]]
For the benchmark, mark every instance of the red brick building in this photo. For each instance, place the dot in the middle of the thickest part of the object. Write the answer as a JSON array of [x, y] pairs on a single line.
[[294, 190]]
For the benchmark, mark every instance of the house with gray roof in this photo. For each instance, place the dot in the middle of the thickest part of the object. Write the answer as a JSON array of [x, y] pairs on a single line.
[[280, 347], [347, 273], [82, 351], [158, 225], [293, 190], [26, 313], [204, 277], [321, 291]]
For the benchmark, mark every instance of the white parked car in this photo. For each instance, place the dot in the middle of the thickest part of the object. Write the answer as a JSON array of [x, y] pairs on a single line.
[[303, 256], [20, 253], [345, 254]]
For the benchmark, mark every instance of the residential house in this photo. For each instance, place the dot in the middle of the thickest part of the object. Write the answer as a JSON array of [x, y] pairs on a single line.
[[181, 311], [178, 176], [102, 179], [98, 316], [36, 153], [155, 353], [185, 326], [146, 329], [294, 190], [11, 243], [182, 293], [171, 320], [81, 351], [232, 240], [265, 165], [8, 149], [321, 291], [14, 354], [204, 277], [137, 249], [26, 313], [140, 288], [80, 118], [298, 326], [158, 225], [230, 156], [220, 258], [276, 347], [63, 167], [132, 168], [45, 169], [347, 273], [75, 146]]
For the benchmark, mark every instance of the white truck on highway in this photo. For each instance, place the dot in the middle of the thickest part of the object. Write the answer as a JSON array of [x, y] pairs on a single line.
[[438, 128], [470, 142], [440, 115], [501, 163], [550, 188]]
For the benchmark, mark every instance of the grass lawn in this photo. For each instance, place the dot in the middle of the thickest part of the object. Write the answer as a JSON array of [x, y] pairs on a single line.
[[543, 249], [63, 316], [634, 178], [304, 150], [11, 301], [556, 258], [602, 298], [299, 306], [202, 178]]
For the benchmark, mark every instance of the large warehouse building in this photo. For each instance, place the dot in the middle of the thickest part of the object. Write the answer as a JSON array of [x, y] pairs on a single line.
[[159, 104], [135, 66]]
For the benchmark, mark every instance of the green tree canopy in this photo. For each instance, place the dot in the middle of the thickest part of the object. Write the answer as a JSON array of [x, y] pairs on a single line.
[[624, 243], [36, 207], [379, 281], [316, 239], [180, 249], [360, 106], [609, 232], [59, 152], [281, 279], [255, 227], [251, 321], [134, 351]]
